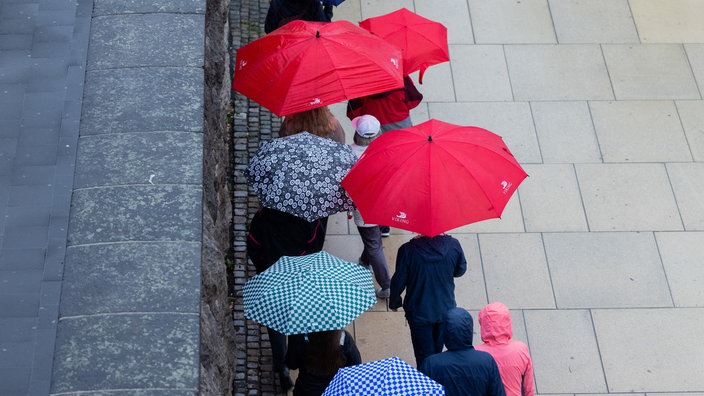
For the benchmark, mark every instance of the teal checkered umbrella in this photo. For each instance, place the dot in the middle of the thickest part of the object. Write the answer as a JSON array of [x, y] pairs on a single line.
[[305, 294]]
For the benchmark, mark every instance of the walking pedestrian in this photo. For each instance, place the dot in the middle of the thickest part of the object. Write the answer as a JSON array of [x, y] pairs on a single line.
[[391, 108], [272, 235], [512, 356], [463, 370], [282, 12], [318, 356], [425, 269], [366, 129]]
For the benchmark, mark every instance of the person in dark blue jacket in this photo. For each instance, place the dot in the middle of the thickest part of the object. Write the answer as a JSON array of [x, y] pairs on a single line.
[[425, 269], [463, 370]]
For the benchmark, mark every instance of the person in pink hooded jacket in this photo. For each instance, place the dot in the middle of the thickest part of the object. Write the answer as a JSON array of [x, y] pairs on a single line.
[[512, 356]]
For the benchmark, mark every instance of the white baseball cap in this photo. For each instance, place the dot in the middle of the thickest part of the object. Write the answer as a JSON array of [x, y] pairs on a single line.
[[366, 126]]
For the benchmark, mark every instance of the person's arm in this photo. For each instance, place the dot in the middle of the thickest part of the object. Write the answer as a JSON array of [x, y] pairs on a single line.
[[352, 355], [294, 353], [461, 264], [528, 386], [398, 280]]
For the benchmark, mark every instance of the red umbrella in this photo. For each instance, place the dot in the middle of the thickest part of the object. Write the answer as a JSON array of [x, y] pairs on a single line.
[[433, 177], [423, 42], [303, 65]]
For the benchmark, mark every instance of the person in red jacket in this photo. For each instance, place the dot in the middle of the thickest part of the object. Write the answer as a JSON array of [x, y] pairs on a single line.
[[391, 108], [512, 356]]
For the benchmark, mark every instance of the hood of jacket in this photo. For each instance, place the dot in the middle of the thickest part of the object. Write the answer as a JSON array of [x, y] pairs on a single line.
[[459, 328], [431, 248], [495, 322]]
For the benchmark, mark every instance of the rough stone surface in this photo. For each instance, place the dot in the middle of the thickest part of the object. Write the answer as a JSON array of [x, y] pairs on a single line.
[[217, 348]]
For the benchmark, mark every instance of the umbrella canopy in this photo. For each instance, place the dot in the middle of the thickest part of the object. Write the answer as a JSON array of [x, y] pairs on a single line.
[[300, 175], [433, 177], [386, 377], [303, 65], [423, 42], [306, 294]]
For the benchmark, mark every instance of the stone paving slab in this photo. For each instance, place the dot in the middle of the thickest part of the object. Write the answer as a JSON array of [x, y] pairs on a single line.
[[628, 197], [99, 352], [619, 126], [682, 256], [595, 21], [565, 132], [511, 22], [606, 270], [685, 178], [692, 116], [661, 21], [480, 73], [657, 71], [639, 356]]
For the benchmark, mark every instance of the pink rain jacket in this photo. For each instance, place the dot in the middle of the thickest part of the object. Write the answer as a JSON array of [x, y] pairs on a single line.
[[511, 356]]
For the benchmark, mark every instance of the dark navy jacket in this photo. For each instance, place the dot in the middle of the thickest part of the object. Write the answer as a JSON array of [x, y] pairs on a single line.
[[463, 370], [426, 268]]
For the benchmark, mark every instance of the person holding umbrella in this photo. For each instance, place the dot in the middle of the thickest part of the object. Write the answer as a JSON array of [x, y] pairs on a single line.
[[366, 129], [318, 121], [318, 356], [425, 269], [282, 12], [272, 235]]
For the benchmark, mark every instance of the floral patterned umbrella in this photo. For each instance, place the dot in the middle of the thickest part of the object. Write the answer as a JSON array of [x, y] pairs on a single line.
[[300, 175]]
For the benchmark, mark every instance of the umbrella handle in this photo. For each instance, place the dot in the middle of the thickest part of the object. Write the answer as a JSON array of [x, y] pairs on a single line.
[[423, 67]]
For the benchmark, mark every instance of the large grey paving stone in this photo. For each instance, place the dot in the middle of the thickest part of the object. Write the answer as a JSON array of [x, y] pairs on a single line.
[[682, 257], [135, 213], [594, 21], [651, 350], [139, 158], [628, 197], [639, 131], [454, 14], [565, 132], [668, 21], [479, 73], [131, 277], [139, 40], [656, 71], [558, 72], [564, 350], [692, 116], [511, 120], [510, 21], [689, 192], [108, 7], [372, 8], [516, 270], [606, 270], [551, 200], [126, 351], [142, 100]]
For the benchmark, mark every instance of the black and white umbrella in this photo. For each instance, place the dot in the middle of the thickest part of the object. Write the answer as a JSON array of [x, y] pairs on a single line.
[[300, 175]]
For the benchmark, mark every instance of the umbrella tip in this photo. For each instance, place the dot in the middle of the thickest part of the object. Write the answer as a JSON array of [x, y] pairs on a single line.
[[317, 33], [430, 138]]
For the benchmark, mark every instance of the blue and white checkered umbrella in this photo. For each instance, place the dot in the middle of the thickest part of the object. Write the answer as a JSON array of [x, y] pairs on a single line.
[[305, 294], [387, 377]]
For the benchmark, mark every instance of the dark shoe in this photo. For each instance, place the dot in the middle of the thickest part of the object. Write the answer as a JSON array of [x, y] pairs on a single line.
[[385, 231], [364, 263], [285, 380]]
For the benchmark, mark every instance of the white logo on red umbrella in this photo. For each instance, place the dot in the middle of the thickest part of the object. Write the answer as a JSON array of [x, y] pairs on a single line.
[[243, 63], [400, 218], [395, 62], [505, 185], [315, 101]]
